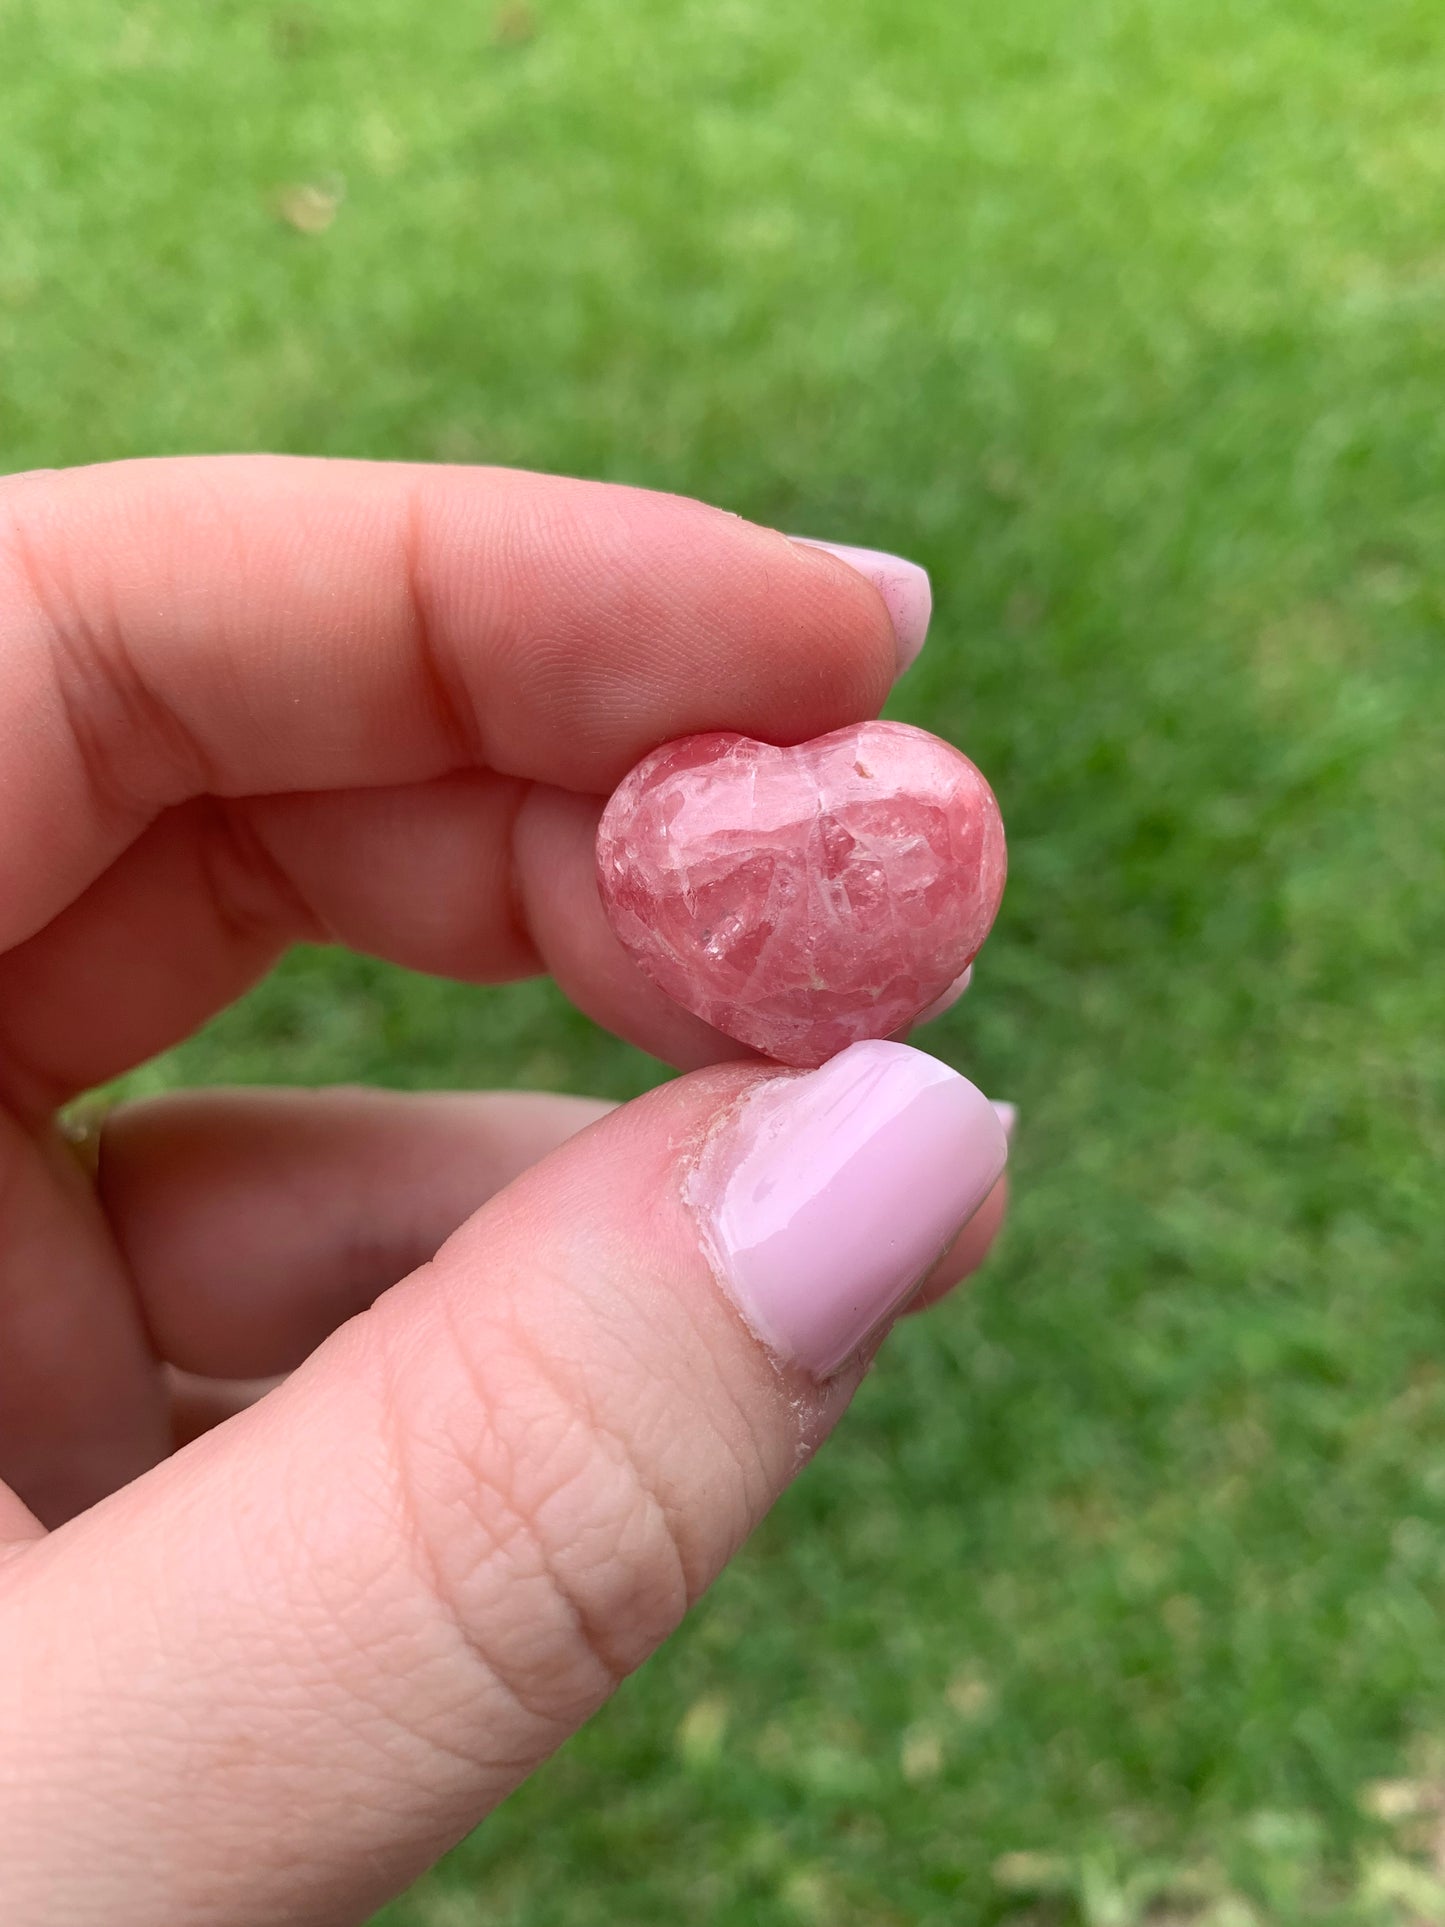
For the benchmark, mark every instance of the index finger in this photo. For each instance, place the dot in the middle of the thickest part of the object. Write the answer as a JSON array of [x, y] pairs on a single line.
[[245, 625]]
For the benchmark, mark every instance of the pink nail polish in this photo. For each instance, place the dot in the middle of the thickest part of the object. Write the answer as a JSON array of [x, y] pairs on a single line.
[[827, 1196], [1007, 1115], [947, 999], [903, 585]]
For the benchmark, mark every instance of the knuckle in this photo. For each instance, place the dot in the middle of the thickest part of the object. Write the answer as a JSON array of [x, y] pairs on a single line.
[[253, 895], [534, 1530], [133, 749]]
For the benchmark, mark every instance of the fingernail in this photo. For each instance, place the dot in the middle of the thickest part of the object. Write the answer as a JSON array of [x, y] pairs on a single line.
[[1007, 1115], [903, 585], [949, 998], [827, 1197]]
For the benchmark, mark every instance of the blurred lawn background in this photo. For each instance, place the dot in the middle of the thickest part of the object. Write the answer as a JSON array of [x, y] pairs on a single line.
[[1117, 1600]]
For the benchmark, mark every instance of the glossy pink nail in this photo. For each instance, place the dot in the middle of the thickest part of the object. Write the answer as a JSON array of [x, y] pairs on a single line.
[[903, 585], [826, 1198]]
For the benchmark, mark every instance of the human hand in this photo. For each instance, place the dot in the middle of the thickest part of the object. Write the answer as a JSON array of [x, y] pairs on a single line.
[[249, 701]]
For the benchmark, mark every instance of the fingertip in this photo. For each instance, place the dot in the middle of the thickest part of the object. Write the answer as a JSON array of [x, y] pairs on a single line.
[[969, 1250], [827, 1196], [555, 845], [612, 619], [904, 587], [947, 999]]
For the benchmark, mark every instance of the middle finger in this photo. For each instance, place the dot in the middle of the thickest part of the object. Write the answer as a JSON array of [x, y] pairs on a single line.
[[476, 876]]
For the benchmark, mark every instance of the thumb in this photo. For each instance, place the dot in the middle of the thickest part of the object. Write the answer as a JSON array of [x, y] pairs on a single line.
[[279, 1675]]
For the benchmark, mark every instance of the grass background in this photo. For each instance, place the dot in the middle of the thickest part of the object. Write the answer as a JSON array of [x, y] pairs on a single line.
[[1118, 1598]]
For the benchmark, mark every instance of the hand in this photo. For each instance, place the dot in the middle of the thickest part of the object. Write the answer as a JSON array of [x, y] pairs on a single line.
[[245, 702]]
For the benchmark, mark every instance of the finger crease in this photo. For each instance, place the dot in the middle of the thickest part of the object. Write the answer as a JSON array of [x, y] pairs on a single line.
[[506, 1525], [252, 893], [588, 1635], [451, 699], [424, 1559], [136, 753], [519, 923], [622, 1454]]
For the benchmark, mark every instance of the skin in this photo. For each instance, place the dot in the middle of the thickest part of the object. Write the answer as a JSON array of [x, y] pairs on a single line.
[[466, 1423]]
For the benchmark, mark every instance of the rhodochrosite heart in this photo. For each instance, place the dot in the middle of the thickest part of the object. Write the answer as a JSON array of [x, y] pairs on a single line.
[[801, 899]]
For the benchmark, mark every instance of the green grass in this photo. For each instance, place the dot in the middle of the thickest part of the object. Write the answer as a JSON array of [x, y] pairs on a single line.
[[1125, 316]]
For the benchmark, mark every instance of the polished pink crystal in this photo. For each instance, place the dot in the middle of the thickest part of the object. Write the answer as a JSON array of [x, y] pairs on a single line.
[[802, 899]]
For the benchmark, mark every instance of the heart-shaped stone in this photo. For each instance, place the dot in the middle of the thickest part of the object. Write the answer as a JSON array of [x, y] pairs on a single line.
[[801, 899]]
